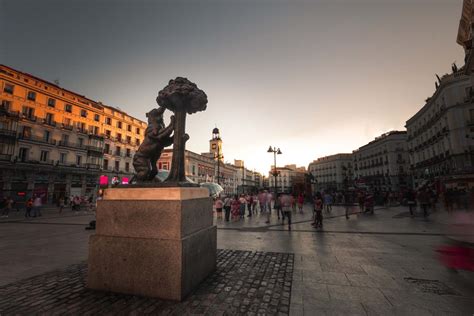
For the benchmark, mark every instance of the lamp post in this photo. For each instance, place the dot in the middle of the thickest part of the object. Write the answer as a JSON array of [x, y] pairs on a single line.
[[275, 151], [218, 156]]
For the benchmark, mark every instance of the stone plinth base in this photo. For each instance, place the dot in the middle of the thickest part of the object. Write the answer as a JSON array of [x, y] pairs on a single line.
[[157, 242]]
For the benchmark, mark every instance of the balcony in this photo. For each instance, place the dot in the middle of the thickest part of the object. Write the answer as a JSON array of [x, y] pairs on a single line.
[[6, 132], [5, 157], [107, 152], [94, 166], [82, 130], [49, 123], [96, 136], [28, 117], [94, 150], [36, 139], [67, 126], [117, 153]]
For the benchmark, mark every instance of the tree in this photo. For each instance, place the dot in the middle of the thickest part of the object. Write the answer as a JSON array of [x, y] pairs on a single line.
[[182, 97]]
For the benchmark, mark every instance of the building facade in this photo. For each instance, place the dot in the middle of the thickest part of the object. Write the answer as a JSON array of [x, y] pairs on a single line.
[[290, 179], [383, 164], [441, 133], [333, 172], [56, 142]]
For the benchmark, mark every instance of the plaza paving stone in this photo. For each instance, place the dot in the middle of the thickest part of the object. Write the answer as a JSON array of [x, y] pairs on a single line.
[[244, 282], [361, 266]]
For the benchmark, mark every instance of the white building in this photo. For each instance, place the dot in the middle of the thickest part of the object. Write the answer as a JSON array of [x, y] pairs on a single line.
[[383, 163], [332, 172], [441, 133], [290, 178]]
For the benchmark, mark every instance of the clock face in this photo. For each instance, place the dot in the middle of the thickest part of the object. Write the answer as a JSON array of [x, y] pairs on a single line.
[[214, 146]]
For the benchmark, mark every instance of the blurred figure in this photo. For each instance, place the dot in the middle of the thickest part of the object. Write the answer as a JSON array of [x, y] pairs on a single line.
[[61, 204], [235, 207], [243, 202], [369, 203], [328, 202], [219, 205], [277, 206], [286, 202], [361, 200], [37, 206], [227, 207], [424, 200], [347, 202], [300, 202], [411, 201], [7, 206], [262, 201], [318, 211], [28, 207]]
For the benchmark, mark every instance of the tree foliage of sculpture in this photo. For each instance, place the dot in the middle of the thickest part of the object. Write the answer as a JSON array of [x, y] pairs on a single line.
[[157, 137], [182, 97]]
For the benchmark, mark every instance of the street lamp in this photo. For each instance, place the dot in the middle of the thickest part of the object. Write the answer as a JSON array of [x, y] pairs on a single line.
[[275, 151]]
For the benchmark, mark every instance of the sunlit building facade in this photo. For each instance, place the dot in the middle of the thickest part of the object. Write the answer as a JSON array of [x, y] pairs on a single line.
[[56, 142], [383, 164], [332, 172]]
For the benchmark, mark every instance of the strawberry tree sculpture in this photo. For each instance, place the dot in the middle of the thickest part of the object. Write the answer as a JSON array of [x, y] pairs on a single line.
[[182, 97]]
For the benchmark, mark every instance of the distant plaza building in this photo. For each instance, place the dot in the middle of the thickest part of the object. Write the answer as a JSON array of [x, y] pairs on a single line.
[[383, 164], [55, 142], [234, 178], [441, 133], [290, 179], [333, 172]]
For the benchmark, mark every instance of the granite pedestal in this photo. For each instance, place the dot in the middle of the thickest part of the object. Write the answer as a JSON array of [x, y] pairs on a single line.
[[157, 242]]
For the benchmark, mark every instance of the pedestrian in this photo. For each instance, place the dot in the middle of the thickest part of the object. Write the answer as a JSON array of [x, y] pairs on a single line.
[[328, 202], [369, 203], [269, 202], [300, 202], [411, 201], [286, 202], [219, 205], [28, 207], [243, 202], [227, 207], [277, 206], [318, 211], [262, 201], [37, 206], [235, 207], [249, 201], [3, 205], [254, 204], [424, 199], [293, 202], [347, 202], [61, 204], [7, 207], [361, 200]]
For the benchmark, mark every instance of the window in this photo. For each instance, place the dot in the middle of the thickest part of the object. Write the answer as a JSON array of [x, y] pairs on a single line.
[[44, 156], [28, 112], [106, 148], [67, 121], [46, 136], [49, 119], [80, 141], [127, 166], [68, 108], [31, 96], [78, 160], [138, 142], [26, 133], [108, 121], [107, 133], [5, 104], [83, 113], [117, 165], [129, 127], [128, 153], [129, 139], [138, 131], [65, 139], [117, 151], [119, 124], [51, 102], [119, 137], [8, 88], [62, 158], [23, 154], [97, 117], [106, 164]]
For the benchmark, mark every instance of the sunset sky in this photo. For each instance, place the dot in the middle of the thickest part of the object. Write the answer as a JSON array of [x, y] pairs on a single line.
[[312, 77]]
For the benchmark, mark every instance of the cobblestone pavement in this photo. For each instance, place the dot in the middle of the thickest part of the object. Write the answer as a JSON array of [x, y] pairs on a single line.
[[244, 282], [381, 264]]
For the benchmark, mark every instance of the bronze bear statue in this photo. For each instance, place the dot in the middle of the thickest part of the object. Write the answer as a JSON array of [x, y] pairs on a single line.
[[157, 137]]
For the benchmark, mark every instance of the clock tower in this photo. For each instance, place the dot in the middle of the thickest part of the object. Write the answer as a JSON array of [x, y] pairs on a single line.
[[215, 145]]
